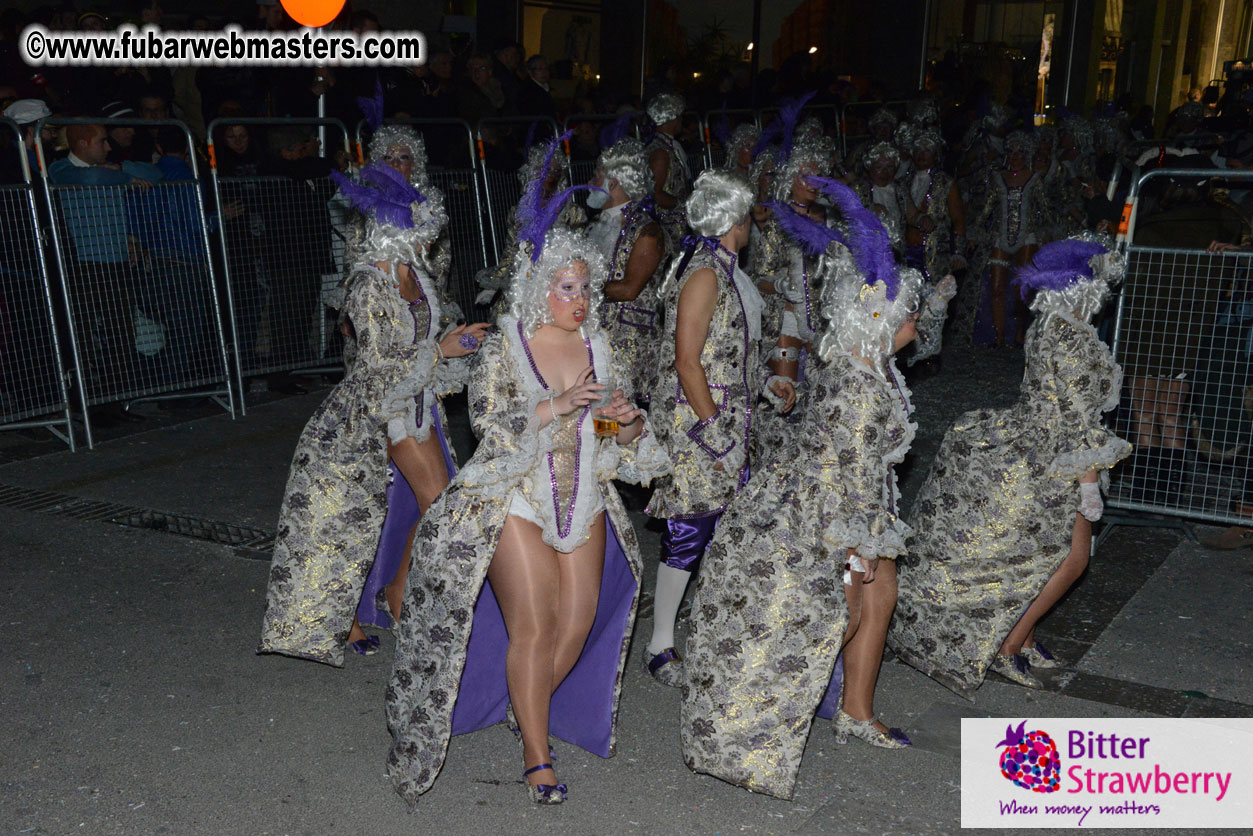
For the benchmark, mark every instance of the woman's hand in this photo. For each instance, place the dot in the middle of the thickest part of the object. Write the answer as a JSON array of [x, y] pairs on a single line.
[[451, 346], [620, 409], [584, 391], [785, 391]]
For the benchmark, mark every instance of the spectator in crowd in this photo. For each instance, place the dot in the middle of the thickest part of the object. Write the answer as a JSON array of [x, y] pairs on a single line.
[[506, 60], [27, 112], [121, 139], [481, 97], [535, 97], [105, 255]]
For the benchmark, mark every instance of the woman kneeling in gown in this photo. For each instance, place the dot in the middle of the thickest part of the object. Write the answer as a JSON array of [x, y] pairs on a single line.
[[1004, 519], [772, 620], [526, 588]]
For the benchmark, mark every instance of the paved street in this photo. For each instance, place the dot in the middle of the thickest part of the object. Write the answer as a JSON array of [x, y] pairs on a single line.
[[131, 702]]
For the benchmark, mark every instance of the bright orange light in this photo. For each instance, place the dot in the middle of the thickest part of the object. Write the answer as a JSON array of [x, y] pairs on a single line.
[[313, 12]]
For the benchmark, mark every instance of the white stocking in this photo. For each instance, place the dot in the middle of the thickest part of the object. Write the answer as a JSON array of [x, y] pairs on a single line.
[[671, 584]]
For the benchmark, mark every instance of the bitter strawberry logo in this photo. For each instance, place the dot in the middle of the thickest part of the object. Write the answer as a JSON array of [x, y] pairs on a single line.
[[1030, 759]]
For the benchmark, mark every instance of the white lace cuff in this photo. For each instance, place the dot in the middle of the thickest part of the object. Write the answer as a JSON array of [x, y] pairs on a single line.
[[870, 534], [1102, 451]]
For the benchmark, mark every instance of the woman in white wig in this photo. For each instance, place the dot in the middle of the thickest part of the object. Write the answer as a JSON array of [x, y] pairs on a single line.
[[628, 235], [672, 175], [530, 568], [386, 405], [705, 395], [770, 617], [1004, 519]]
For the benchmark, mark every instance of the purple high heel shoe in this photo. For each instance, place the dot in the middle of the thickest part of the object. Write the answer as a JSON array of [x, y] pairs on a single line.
[[545, 793]]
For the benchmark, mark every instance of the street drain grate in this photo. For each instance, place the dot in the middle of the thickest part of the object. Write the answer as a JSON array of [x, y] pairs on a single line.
[[248, 542]]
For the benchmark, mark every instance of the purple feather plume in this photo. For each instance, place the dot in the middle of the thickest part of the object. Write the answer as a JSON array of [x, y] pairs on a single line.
[[1058, 265], [544, 219], [372, 108], [532, 203], [615, 131], [814, 237], [530, 138], [384, 193], [788, 114], [867, 238]]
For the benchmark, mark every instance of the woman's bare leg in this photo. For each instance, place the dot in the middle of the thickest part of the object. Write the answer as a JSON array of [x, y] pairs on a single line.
[[1072, 567], [863, 654], [998, 283], [525, 577], [425, 470], [579, 575], [1021, 313]]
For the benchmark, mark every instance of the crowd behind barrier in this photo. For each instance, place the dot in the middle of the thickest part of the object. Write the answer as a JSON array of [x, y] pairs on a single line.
[[1183, 334], [115, 291]]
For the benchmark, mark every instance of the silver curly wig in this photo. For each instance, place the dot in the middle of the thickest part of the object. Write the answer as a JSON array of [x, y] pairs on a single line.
[[860, 318], [903, 136], [881, 151], [665, 107], [528, 286], [719, 200], [1021, 141], [929, 140], [535, 161], [402, 136], [744, 136], [924, 112], [1078, 129], [882, 116], [808, 157], [626, 162]]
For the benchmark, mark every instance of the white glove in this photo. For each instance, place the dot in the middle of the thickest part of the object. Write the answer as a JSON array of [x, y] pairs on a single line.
[[1090, 504], [485, 297]]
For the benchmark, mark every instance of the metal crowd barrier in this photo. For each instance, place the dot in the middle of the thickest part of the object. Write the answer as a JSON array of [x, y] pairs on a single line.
[[283, 252], [33, 390], [139, 285], [501, 186], [463, 200], [1184, 337], [582, 161]]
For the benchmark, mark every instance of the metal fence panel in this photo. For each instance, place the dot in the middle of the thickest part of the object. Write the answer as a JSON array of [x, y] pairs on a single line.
[[139, 288], [33, 390], [715, 122], [283, 252], [1185, 342], [854, 121]]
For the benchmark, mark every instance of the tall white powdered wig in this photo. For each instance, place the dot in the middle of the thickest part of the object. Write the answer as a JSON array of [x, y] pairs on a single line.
[[719, 200], [881, 151], [743, 137], [626, 162], [665, 107], [866, 295], [390, 138], [1072, 276], [541, 157], [809, 157], [1021, 141]]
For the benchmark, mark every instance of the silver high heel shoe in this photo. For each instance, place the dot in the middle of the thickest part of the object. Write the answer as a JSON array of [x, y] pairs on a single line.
[[1016, 668], [846, 724]]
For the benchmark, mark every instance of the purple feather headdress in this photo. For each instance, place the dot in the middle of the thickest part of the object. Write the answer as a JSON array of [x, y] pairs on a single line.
[[372, 107], [530, 138], [788, 114], [615, 131], [814, 237], [537, 229], [384, 194], [1058, 265], [532, 202], [867, 239]]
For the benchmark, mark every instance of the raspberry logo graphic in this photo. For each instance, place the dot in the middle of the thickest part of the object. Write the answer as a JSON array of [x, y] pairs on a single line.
[[1030, 759]]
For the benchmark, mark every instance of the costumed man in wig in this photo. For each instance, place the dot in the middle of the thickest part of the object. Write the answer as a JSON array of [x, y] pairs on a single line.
[[705, 395], [526, 569], [1004, 519], [770, 618], [672, 176], [386, 405], [627, 234]]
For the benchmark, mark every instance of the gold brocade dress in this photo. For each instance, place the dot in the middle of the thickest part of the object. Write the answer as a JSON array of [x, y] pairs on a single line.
[[769, 615], [995, 515]]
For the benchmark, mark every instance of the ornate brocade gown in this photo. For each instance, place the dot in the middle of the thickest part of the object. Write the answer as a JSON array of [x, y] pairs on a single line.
[[995, 515], [449, 673], [770, 600], [334, 504]]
